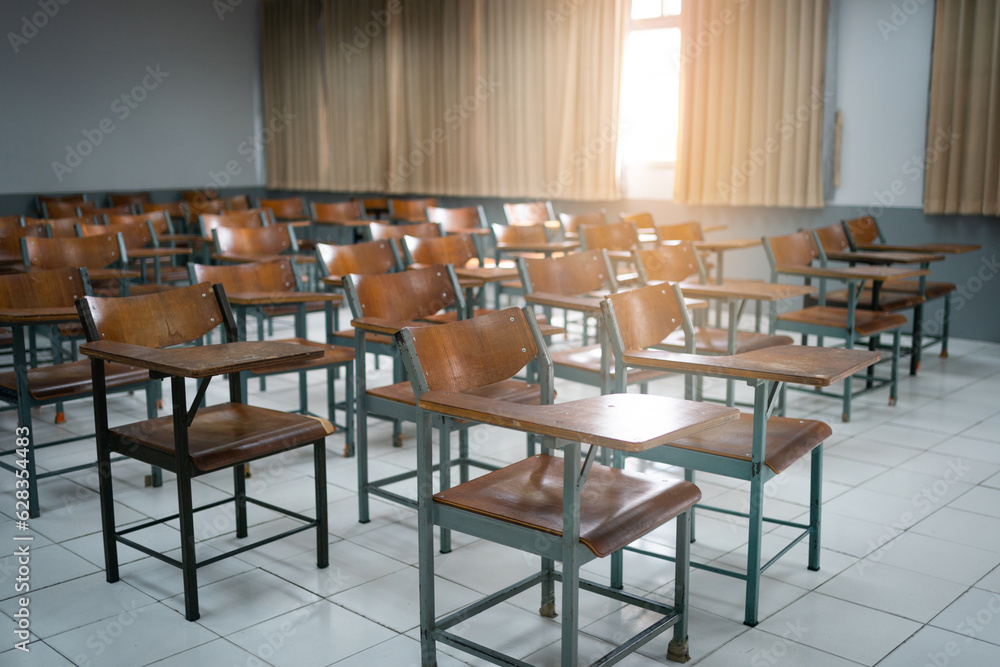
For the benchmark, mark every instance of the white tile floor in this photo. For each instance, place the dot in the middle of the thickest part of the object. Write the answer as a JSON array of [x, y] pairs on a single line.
[[910, 573]]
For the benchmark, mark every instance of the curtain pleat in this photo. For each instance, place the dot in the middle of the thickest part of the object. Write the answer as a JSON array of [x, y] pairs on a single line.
[[963, 130], [751, 116], [448, 97]]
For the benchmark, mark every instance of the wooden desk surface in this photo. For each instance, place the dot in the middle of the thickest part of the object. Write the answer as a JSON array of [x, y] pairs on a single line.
[[586, 304], [894, 257], [727, 244], [945, 248], [38, 315], [266, 298], [747, 289], [797, 364], [202, 360], [628, 422], [878, 273], [487, 274], [544, 248]]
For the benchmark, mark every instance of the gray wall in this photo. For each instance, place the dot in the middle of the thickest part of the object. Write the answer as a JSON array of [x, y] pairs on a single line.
[[207, 111], [63, 84]]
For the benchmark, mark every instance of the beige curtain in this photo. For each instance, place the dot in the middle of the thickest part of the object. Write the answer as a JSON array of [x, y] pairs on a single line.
[[963, 134], [452, 97], [294, 109], [751, 113]]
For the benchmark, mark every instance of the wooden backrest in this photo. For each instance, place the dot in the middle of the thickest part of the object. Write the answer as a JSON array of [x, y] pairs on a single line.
[[798, 249], [61, 227], [403, 296], [8, 223], [201, 207], [66, 209], [76, 197], [128, 198], [864, 230], [382, 231], [643, 317], [682, 231], [571, 222], [569, 275], [528, 213], [292, 208], [617, 236], [10, 239], [673, 263], [410, 209], [641, 220], [375, 205], [211, 221], [833, 238], [237, 202], [456, 249], [199, 196], [158, 220], [162, 319], [55, 288], [95, 252], [338, 211], [361, 258], [135, 233], [175, 208], [457, 220], [276, 275], [520, 233], [469, 354], [255, 241]]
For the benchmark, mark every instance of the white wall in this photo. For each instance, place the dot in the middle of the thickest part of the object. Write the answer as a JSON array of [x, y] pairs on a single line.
[[883, 65], [63, 83]]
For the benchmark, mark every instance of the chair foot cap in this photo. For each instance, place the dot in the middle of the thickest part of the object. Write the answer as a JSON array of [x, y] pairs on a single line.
[[944, 354], [60, 418], [678, 651], [548, 610]]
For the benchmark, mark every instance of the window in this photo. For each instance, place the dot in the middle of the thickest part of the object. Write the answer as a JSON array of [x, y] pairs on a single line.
[[650, 84]]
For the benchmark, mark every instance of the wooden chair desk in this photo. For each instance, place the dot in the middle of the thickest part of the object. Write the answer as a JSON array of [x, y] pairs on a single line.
[[558, 512], [639, 319]]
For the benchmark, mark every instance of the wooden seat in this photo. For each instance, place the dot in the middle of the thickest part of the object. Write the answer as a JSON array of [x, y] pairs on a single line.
[[793, 255], [561, 513], [410, 210], [383, 304], [40, 299], [195, 440], [270, 289], [902, 294], [756, 447]]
